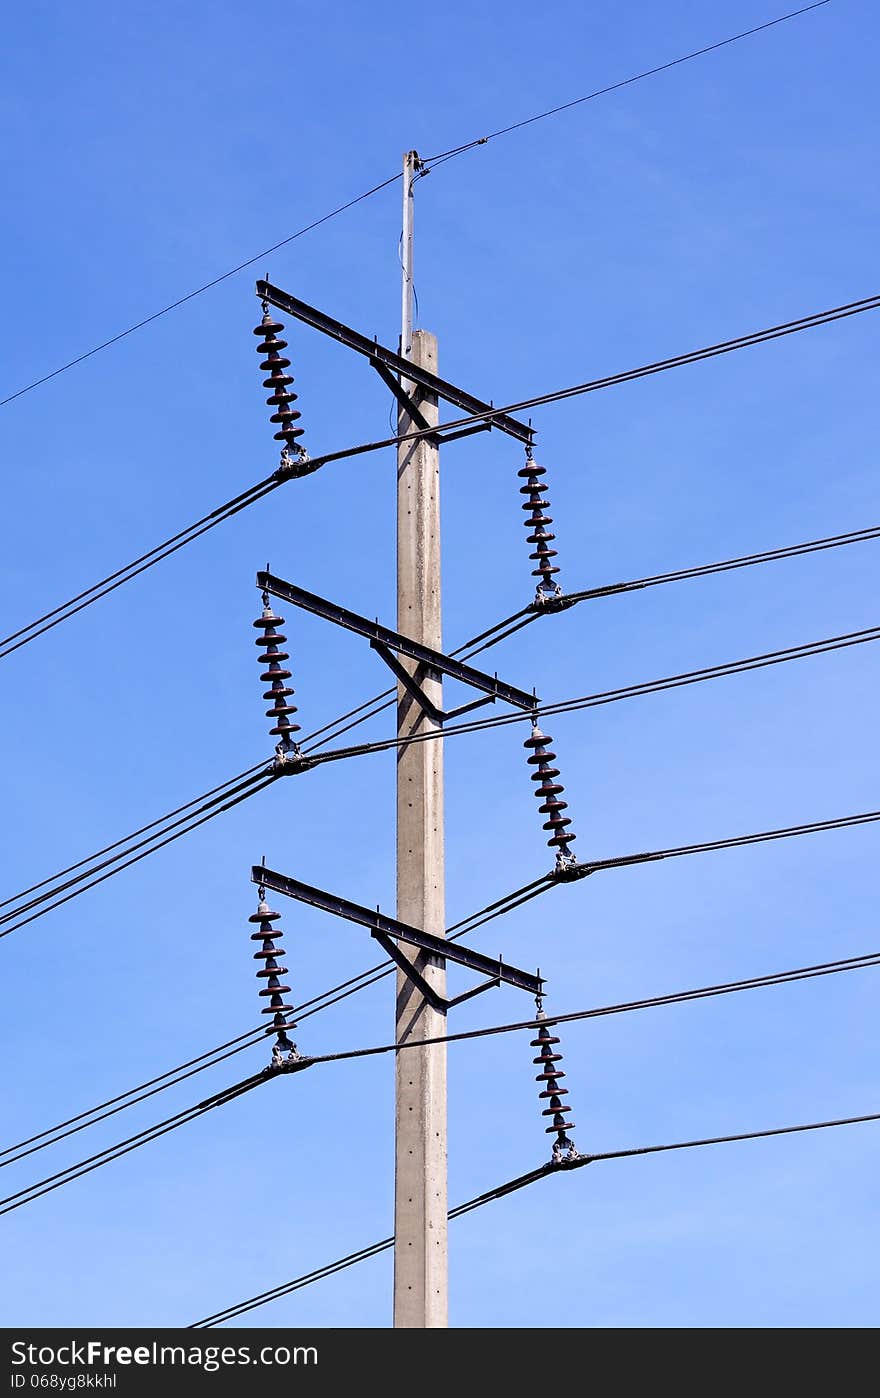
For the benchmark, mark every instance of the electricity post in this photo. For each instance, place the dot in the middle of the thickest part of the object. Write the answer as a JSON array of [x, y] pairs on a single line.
[[420, 1202]]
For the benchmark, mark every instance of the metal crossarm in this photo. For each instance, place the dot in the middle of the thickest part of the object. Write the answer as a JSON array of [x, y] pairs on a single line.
[[383, 927], [382, 358], [383, 639]]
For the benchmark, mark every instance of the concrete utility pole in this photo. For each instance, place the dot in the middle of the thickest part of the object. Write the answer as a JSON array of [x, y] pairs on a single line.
[[420, 1202]]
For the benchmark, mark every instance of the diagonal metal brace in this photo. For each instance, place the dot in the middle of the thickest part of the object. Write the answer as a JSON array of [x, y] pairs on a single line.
[[374, 631], [394, 363], [412, 687], [381, 923], [413, 974], [409, 406]]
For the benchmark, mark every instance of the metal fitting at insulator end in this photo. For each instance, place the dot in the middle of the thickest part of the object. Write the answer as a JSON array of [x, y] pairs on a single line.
[[281, 396], [270, 972], [275, 675], [564, 1149], [549, 792], [536, 521]]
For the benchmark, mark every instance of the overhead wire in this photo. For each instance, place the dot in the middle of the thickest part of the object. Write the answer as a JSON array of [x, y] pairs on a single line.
[[512, 1186], [199, 290], [65, 610], [27, 1195], [84, 599], [250, 780], [251, 1037], [384, 184], [442, 156], [723, 670], [41, 903]]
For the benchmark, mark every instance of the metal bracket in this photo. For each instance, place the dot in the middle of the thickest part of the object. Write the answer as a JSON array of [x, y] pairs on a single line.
[[406, 402], [394, 363], [388, 931], [384, 640], [412, 686]]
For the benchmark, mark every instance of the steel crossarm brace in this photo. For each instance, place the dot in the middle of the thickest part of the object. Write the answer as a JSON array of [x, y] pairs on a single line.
[[383, 636], [406, 402], [394, 363], [413, 974], [386, 926]]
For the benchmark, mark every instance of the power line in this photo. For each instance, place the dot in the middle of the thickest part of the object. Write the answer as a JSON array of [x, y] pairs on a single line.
[[727, 565], [65, 610], [611, 696], [150, 1133], [853, 536], [501, 1191], [773, 332], [250, 781], [786, 832], [142, 830], [679, 997], [434, 160], [199, 290], [260, 777], [251, 1037], [100, 589], [384, 184], [38, 906]]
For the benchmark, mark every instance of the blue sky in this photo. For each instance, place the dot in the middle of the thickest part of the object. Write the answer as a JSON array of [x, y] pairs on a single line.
[[146, 154]]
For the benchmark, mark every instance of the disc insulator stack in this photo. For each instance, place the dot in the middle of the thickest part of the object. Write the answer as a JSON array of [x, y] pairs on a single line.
[[548, 1061], [270, 973], [536, 522], [276, 676], [281, 395], [549, 791]]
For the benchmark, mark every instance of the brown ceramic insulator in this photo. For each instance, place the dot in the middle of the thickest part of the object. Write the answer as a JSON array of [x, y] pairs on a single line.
[[535, 506], [549, 1074], [273, 990], [267, 327], [552, 1093], [263, 914], [270, 654], [559, 1128], [278, 380], [548, 791], [270, 973]]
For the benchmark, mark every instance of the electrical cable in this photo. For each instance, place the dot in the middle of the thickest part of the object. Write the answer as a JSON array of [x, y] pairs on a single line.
[[264, 768], [199, 290], [865, 962], [757, 337], [384, 184], [114, 580], [511, 1187], [150, 1133], [38, 906], [434, 160], [611, 696], [65, 610], [142, 830], [47, 902], [727, 565], [251, 1037]]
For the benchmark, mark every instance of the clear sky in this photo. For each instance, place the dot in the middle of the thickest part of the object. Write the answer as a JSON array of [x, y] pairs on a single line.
[[148, 150]]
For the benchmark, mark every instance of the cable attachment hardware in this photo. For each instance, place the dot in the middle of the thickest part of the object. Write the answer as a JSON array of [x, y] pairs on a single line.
[[276, 676], [564, 1148], [549, 792], [270, 973], [281, 395], [536, 522]]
